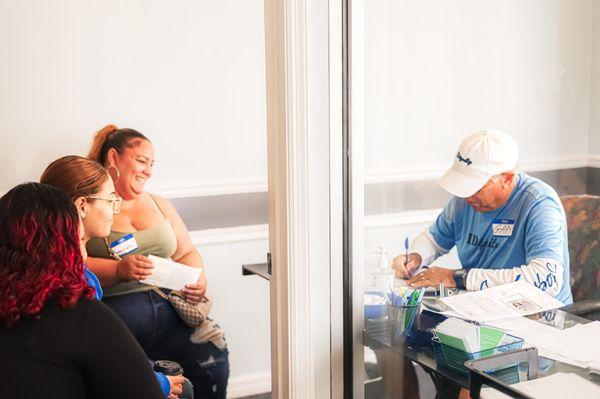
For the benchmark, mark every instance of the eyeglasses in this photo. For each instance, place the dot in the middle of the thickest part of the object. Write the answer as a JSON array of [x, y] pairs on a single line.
[[116, 201]]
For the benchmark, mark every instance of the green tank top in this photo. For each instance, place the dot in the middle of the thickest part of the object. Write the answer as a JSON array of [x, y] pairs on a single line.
[[159, 241]]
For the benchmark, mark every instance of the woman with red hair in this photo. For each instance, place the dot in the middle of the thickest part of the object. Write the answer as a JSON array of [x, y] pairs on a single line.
[[52, 330]]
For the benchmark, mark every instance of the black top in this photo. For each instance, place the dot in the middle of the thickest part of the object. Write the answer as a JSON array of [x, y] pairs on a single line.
[[80, 352]]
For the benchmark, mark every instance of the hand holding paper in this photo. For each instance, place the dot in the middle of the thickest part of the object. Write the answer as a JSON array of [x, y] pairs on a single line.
[[172, 275]]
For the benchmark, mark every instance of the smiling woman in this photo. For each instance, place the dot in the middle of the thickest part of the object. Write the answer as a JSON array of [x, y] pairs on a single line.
[[149, 225]]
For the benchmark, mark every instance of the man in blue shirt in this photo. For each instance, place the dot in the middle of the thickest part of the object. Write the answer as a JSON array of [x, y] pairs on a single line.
[[506, 225]]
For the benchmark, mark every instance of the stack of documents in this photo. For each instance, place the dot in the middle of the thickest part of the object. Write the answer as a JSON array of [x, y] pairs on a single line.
[[554, 386], [500, 302], [468, 337], [576, 345]]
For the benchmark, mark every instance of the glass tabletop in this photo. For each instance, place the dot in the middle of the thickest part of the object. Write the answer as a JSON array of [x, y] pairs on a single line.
[[418, 347]]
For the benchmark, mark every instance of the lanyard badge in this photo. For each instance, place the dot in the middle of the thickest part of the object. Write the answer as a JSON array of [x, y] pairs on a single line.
[[124, 245]]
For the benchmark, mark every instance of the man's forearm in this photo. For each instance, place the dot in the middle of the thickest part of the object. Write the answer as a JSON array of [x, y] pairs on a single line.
[[544, 273], [424, 244]]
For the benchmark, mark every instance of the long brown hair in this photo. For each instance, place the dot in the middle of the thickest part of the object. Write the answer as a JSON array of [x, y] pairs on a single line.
[[109, 137], [76, 176]]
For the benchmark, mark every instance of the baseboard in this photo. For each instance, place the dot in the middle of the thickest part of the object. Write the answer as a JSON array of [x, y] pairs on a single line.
[[594, 161], [248, 385]]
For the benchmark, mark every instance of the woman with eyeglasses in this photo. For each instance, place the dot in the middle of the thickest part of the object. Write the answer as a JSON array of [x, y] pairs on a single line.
[[92, 191], [90, 187], [53, 331], [149, 225]]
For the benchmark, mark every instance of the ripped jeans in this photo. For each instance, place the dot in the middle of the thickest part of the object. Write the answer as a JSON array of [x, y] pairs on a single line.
[[163, 335]]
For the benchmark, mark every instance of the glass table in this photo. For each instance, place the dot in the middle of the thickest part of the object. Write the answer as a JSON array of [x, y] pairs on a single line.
[[419, 348]]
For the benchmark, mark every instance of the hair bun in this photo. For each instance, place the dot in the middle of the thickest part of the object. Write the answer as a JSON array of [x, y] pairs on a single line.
[[98, 141]]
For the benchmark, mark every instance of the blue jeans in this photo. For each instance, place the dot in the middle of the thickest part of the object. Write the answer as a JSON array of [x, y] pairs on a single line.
[[163, 335]]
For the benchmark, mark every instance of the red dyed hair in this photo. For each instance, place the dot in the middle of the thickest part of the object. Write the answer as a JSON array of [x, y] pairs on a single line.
[[40, 255]]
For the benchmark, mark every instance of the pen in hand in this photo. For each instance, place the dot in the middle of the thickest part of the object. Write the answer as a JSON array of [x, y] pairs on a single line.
[[406, 249]]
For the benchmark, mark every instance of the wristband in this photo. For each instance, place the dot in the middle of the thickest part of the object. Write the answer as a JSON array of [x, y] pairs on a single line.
[[460, 277]]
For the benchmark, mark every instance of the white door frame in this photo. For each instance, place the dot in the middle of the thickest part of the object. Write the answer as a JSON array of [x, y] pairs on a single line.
[[304, 128], [355, 170]]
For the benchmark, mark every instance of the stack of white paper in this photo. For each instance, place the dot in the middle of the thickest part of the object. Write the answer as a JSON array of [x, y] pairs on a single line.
[[576, 345], [554, 386], [500, 302], [458, 334], [468, 337]]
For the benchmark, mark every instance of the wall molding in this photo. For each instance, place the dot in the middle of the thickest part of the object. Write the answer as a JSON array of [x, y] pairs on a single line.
[[373, 176], [260, 232], [401, 218], [435, 171], [230, 235], [248, 385], [215, 188]]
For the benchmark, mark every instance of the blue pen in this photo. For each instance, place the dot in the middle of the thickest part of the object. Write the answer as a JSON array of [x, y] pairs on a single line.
[[406, 249]]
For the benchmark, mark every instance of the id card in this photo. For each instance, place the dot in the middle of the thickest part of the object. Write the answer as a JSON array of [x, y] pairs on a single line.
[[124, 245], [503, 227]]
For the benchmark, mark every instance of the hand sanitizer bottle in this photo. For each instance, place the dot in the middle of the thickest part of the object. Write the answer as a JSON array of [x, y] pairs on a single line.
[[384, 276]]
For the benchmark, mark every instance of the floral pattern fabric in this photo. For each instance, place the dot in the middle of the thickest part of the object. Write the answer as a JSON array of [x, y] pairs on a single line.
[[583, 223]]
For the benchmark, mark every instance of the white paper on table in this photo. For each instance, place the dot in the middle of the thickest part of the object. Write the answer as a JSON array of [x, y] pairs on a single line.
[[503, 301], [522, 327], [578, 343], [530, 330], [554, 386], [171, 275]]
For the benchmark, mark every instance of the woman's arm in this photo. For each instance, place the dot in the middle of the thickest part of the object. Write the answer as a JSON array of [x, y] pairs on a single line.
[[105, 270], [111, 271], [186, 253], [108, 350]]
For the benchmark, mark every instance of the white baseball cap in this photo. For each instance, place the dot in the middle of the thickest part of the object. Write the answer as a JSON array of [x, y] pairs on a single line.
[[480, 156]]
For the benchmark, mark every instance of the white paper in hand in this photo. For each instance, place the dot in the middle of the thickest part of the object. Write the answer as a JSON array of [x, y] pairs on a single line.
[[172, 275]]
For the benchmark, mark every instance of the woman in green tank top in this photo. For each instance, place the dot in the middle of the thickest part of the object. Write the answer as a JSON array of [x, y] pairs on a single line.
[[149, 225]]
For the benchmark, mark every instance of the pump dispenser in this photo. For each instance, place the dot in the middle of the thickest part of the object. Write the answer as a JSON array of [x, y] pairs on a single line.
[[384, 276]]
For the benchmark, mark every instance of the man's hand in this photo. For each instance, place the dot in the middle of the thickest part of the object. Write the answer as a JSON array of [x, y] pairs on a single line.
[[433, 277], [405, 271]]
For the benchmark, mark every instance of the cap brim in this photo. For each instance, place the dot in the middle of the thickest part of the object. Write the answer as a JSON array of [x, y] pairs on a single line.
[[461, 185]]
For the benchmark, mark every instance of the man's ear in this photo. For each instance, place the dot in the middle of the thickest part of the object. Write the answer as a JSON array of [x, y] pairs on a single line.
[[80, 204], [509, 176]]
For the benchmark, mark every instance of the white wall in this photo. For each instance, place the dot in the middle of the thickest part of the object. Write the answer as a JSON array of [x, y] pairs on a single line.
[[595, 87], [241, 303], [436, 71], [188, 73]]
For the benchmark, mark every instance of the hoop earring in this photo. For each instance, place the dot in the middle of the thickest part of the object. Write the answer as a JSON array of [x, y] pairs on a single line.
[[118, 173]]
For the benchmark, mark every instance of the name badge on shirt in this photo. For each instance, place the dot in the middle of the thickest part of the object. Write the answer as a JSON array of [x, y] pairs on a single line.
[[503, 227], [124, 245]]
